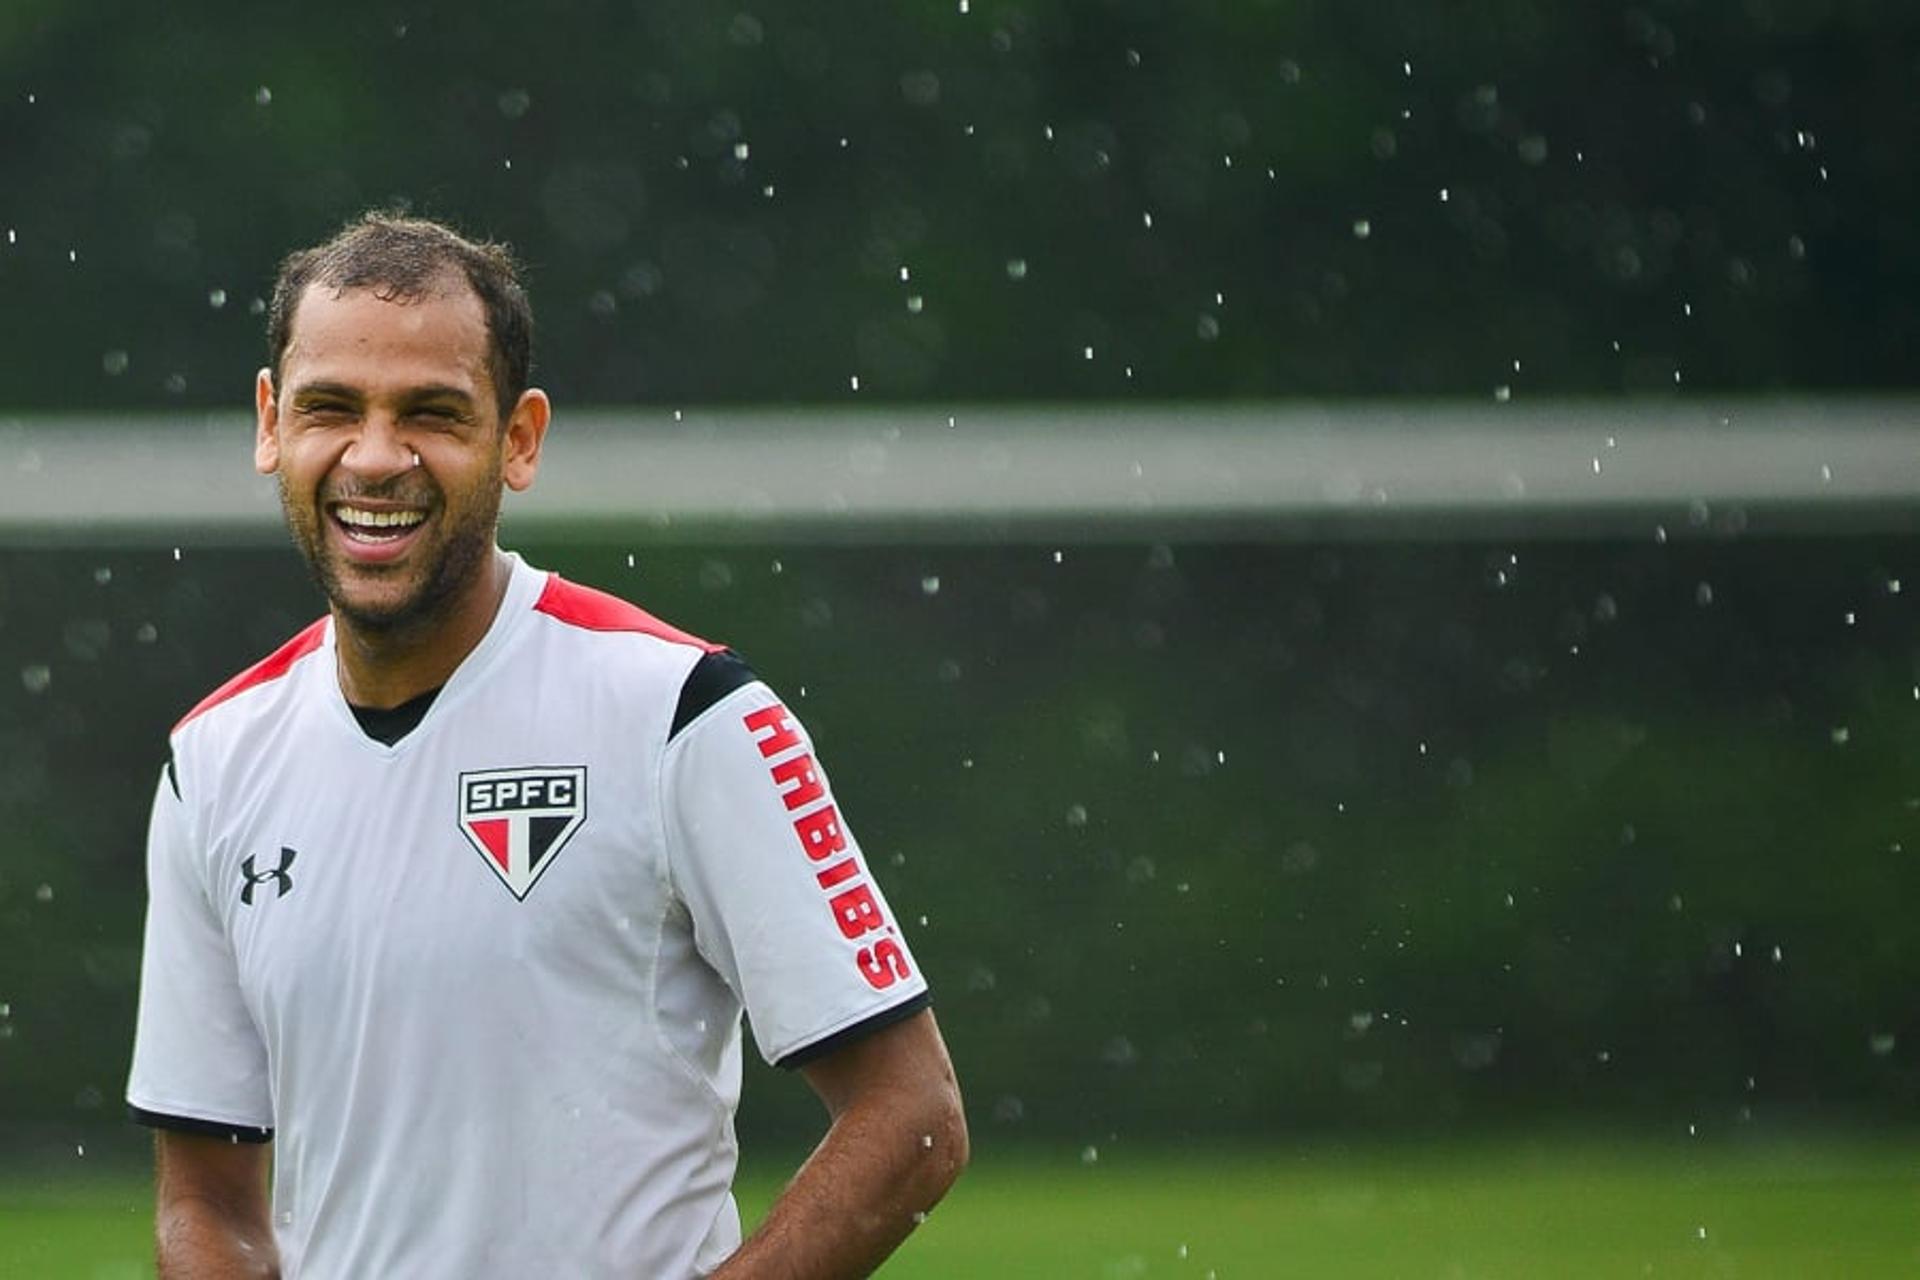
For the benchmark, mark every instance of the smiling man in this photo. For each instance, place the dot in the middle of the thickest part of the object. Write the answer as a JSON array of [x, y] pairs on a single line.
[[457, 899]]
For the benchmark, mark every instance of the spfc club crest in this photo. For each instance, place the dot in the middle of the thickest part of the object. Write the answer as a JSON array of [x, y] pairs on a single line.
[[520, 819]]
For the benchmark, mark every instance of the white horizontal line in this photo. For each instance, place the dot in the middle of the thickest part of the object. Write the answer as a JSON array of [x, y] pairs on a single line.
[[813, 470]]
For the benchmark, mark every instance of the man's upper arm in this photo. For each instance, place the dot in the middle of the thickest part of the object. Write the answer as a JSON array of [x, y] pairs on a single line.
[[903, 1067], [783, 902], [212, 1212], [198, 1059], [220, 1172]]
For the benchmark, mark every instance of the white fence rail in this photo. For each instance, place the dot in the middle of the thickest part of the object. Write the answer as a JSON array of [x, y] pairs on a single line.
[[1432, 469]]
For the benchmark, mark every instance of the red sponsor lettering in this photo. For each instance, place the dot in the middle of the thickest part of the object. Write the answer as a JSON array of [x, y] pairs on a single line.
[[856, 911], [816, 825], [883, 964], [779, 727], [799, 781], [819, 832], [838, 873]]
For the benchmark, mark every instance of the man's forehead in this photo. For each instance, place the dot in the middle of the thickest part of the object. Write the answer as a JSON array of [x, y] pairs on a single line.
[[444, 316]]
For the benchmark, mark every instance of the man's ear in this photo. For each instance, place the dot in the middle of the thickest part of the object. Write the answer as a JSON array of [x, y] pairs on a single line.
[[266, 418], [526, 430]]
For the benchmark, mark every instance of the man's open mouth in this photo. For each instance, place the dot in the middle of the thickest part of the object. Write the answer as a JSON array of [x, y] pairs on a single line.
[[374, 527]]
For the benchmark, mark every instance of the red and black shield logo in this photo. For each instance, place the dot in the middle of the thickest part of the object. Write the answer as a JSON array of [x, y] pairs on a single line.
[[520, 819]]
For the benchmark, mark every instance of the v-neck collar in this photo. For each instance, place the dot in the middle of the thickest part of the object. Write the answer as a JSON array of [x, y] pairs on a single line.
[[523, 590]]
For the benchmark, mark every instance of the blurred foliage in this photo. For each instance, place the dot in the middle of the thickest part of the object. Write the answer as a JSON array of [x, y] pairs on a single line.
[[1210, 840], [963, 199]]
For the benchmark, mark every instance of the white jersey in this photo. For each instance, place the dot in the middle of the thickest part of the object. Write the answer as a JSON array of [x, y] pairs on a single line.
[[483, 987]]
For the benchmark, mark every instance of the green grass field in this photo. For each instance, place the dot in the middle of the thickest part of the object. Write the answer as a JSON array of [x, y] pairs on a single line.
[[1515, 1209]]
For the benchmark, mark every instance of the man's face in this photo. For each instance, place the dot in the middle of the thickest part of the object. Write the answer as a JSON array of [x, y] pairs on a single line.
[[366, 386]]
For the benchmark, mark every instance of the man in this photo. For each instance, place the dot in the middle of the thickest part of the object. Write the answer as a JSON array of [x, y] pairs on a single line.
[[456, 899]]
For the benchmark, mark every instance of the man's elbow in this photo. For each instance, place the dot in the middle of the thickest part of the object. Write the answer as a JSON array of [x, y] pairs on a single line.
[[948, 1141]]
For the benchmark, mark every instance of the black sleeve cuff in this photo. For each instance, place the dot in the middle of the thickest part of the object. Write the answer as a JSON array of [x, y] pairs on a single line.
[[204, 1128], [858, 1031]]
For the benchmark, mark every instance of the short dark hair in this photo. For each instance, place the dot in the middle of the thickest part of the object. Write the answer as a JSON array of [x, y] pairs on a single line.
[[402, 258]]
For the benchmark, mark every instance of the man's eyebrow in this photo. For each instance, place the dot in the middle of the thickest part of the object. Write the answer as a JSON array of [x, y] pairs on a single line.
[[437, 391], [325, 390]]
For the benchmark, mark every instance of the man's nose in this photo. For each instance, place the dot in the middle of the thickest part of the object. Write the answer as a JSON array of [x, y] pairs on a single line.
[[379, 450]]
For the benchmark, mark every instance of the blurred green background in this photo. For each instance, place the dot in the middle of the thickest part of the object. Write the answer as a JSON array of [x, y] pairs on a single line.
[[1257, 839]]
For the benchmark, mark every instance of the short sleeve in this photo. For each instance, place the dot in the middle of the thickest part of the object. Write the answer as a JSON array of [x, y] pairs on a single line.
[[784, 905], [198, 1061]]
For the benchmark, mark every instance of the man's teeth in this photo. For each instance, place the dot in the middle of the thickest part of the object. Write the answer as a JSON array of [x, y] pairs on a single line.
[[360, 519], [377, 526]]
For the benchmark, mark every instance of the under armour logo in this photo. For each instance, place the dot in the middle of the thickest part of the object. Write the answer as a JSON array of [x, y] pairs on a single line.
[[251, 879]]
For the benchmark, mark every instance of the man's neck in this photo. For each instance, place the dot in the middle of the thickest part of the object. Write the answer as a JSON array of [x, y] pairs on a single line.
[[384, 668]]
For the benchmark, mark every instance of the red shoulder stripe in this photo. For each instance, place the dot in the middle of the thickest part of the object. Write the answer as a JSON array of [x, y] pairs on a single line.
[[594, 610], [271, 667]]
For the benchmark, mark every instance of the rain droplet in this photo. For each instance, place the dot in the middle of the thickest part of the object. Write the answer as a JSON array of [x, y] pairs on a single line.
[[1703, 594], [1362, 228], [930, 585], [262, 96], [1087, 352], [1503, 393], [1089, 1154], [915, 304], [1880, 1043], [854, 382], [1016, 268], [114, 363], [37, 677], [43, 894], [1840, 735], [216, 298], [741, 151], [1077, 815]]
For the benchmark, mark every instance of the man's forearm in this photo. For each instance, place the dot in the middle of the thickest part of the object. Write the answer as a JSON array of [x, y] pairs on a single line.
[[196, 1240], [874, 1178]]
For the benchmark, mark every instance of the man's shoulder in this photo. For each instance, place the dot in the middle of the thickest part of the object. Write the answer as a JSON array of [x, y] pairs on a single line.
[[695, 673], [267, 670], [588, 609]]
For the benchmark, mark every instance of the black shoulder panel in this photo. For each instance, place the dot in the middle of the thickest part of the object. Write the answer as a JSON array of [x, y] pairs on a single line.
[[713, 677]]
